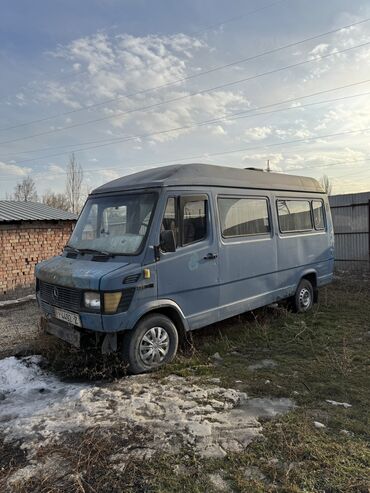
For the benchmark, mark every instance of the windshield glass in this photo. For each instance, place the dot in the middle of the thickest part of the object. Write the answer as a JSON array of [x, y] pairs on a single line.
[[116, 225]]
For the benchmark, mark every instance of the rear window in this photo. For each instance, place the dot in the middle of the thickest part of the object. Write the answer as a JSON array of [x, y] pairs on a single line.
[[318, 214], [243, 216], [294, 215]]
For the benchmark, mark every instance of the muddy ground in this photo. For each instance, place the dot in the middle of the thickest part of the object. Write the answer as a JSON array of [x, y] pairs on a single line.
[[18, 328]]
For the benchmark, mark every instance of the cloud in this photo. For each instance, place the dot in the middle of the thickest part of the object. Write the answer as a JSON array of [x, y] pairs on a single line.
[[260, 160], [319, 50], [13, 169], [55, 168], [133, 65], [258, 133], [218, 130], [323, 159], [109, 174]]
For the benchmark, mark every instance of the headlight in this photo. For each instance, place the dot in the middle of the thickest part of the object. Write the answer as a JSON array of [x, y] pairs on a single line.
[[111, 301], [92, 300]]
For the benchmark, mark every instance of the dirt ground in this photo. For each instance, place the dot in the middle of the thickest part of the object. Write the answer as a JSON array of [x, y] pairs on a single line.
[[18, 328]]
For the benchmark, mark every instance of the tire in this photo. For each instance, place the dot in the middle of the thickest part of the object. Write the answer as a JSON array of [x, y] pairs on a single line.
[[151, 344], [303, 299]]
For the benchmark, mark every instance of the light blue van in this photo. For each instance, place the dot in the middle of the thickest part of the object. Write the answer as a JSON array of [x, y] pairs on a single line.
[[172, 249]]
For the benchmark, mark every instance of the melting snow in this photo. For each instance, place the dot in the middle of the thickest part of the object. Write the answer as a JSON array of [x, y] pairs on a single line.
[[319, 425], [26, 390], [37, 408], [335, 403]]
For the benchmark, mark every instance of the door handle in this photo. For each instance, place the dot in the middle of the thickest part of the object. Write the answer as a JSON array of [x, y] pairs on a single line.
[[210, 256]]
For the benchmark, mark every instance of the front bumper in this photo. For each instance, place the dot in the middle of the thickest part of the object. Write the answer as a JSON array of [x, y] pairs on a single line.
[[71, 335], [78, 337]]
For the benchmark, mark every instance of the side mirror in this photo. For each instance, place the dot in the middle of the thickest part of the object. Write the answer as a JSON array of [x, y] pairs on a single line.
[[167, 241]]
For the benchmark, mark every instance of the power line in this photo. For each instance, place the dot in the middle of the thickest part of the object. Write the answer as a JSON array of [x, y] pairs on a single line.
[[351, 174], [234, 18], [234, 151], [67, 76], [230, 116], [178, 81], [57, 79], [329, 165], [221, 86]]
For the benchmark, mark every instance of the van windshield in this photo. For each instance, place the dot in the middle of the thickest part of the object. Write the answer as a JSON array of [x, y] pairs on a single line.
[[114, 225]]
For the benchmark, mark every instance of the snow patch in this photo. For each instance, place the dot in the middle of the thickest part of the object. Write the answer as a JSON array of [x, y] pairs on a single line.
[[26, 390], [335, 403], [19, 301], [38, 408], [319, 425]]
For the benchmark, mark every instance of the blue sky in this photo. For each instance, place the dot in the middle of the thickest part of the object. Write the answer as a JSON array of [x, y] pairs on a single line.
[[87, 69]]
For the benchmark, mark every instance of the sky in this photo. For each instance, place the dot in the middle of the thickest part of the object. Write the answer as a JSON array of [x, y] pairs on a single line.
[[132, 84]]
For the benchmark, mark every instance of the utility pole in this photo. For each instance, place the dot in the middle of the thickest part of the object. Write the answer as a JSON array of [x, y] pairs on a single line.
[[268, 169]]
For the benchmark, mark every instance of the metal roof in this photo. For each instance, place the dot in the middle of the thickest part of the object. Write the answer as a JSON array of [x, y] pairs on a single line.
[[210, 175], [11, 210]]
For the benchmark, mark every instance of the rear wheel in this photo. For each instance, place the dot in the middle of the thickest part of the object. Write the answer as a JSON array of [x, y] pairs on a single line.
[[304, 297], [151, 344]]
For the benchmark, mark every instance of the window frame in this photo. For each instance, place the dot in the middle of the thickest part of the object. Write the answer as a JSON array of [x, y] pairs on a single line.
[[180, 201], [183, 199], [121, 193], [295, 199], [177, 216], [323, 214], [251, 197]]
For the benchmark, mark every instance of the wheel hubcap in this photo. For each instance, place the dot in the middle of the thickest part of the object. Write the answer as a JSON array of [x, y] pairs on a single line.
[[305, 298], [154, 346]]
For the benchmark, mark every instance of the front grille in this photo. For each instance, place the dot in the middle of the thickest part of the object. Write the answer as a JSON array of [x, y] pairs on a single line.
[[60, 296]]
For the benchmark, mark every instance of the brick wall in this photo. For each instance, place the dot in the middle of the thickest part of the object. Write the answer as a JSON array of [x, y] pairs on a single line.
[[22, 246]]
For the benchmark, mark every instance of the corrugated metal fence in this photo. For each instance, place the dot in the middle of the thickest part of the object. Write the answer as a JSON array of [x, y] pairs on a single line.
[[351, 219]]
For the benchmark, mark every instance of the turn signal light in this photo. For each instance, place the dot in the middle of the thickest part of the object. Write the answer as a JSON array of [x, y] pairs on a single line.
[[111, 301]]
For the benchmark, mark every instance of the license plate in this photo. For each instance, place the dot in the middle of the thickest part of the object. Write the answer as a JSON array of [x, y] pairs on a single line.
[[66, 316]]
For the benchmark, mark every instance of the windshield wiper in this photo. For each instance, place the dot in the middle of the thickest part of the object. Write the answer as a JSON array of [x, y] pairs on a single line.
[[90, 250], [71, 248], [97, 252]]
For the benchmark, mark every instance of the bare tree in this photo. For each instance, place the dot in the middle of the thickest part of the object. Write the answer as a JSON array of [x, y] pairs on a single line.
[[326, 184], [57, 200], [74, 184], [25, 191]]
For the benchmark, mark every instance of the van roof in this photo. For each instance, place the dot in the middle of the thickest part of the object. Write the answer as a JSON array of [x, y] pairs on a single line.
[[210, 175]]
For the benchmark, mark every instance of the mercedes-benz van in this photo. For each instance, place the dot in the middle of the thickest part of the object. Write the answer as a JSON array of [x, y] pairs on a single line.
[[172, 249]]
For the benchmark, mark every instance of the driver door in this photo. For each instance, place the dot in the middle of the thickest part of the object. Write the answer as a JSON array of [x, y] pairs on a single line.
[[190, 275]]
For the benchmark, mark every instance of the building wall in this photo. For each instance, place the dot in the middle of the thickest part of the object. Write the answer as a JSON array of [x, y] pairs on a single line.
[[22, 246]]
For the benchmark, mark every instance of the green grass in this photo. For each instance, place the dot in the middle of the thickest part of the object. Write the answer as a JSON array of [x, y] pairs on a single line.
[[321, 355]]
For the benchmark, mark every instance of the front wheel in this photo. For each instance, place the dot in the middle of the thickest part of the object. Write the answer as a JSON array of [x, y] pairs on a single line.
[[304, 297], [151, 344]]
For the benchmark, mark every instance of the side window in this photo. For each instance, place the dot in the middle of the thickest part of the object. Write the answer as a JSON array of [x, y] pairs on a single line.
[[243, 216], [318, 214], [170, 218], [294, 215], [194, 223]]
